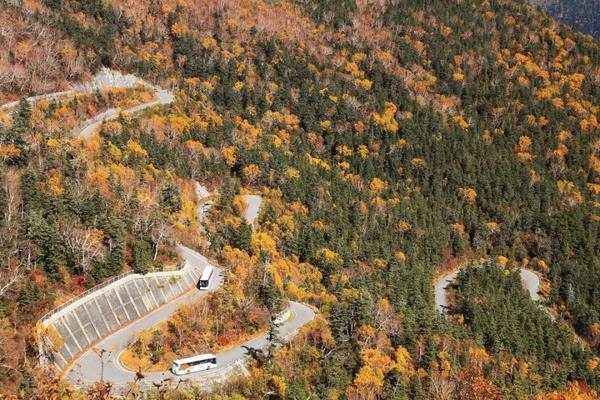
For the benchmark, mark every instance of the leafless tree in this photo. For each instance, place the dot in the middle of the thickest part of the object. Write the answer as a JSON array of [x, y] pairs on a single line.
[[10, 275], [12, 270], [11, 187], [160, 232], [84, 243], [442, 388]]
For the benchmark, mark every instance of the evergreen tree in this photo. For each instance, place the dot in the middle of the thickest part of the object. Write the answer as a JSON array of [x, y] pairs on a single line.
[[142, 256], [170, 199], [270, 297]]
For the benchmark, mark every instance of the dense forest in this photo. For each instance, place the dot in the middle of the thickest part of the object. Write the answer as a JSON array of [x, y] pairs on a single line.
[[391, 141]]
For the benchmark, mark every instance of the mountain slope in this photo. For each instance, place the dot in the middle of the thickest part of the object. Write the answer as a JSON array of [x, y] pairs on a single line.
[[391, 140]]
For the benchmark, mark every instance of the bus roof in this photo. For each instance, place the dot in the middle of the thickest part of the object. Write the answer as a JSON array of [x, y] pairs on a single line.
[[194, 358], [207, 272]]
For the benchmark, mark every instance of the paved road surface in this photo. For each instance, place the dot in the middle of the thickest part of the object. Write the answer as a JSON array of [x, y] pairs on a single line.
[[92, 124], [49, 96], [254, 202], [530, 280], [88, 369], [204, 202]]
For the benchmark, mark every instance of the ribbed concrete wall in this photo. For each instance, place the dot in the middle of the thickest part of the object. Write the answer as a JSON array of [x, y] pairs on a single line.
[[94, 316]]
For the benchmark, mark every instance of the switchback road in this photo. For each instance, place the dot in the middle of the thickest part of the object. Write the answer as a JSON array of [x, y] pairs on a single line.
[[530, 280]]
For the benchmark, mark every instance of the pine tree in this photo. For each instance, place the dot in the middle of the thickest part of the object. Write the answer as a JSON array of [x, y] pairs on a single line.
[[170, 200], [32, 195], [46, 235], [270, 297], [142, 256]]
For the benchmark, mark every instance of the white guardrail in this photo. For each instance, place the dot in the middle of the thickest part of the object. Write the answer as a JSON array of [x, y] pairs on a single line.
[[99, 287]]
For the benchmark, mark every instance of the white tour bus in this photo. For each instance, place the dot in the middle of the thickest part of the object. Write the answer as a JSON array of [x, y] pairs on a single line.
[[194, 364], [204, 282]]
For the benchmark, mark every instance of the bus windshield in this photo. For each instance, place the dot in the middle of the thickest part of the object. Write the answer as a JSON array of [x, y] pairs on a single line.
[[204, 281]]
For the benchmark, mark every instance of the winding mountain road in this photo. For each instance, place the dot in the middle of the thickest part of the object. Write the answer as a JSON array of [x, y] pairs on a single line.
[[101, 362], [33, 99], [91, 125], [91, 367], [530, 280], [86, 128]]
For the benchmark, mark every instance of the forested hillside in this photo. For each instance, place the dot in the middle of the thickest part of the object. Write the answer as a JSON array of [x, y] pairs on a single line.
[[391, 140]]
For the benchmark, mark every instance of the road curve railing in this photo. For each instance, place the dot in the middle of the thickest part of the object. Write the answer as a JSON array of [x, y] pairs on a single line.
[[105, 308]]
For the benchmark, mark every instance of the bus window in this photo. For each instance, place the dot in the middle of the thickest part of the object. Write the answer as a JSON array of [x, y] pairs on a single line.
[[193, 364]]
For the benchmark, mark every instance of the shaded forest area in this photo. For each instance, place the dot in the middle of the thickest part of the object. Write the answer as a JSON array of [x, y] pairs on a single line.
[[581, 14]]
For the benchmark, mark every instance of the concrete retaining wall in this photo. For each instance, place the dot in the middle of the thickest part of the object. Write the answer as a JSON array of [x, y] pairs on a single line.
[[94, 316], [107, 78]]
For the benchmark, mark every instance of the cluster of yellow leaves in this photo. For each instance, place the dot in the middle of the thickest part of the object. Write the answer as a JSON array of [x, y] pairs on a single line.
[[169, 126], [325, 125], [529, 65], [368, 383], [560, 153], [502, 260], [46, 336], [315, 161], [135, 149], [289, 121], [292, 173], [595, 163], [524, 144], [262, 242], [458, 228], [9, 152], [478, 357], [209, 43], [571, 194], [343, 150], [364, 84], [491, 226], [522, 148], [457, 76], [461, 122], [469, 194], [195, 146], [377, 185], [594, 188], [248, 134], [363, 151], [54, 182], [251, 173], [329, 256], [401, 256], [229, 155], [387, 120]]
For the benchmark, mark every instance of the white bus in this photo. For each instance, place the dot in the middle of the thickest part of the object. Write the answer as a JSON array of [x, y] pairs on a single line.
[[194, 364], [204, 282]]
